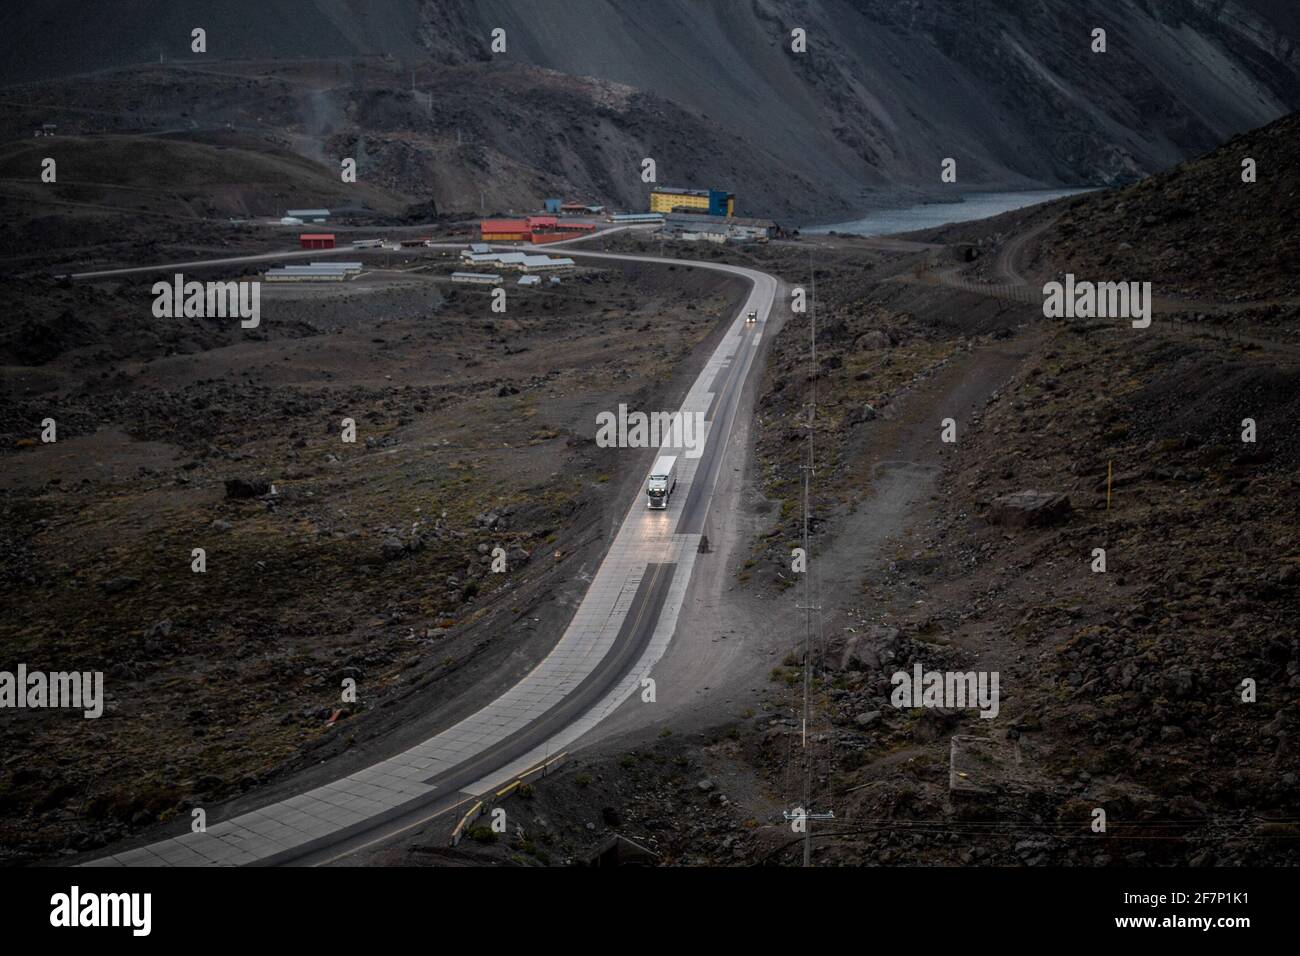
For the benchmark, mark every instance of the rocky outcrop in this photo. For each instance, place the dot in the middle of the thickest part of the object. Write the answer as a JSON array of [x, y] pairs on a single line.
[[1025, 509]]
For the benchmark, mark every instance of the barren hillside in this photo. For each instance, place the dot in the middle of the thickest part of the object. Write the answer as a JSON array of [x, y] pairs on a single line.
[[885, 91]]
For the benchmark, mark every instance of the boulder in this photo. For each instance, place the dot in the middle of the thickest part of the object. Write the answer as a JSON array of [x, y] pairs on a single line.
[[870, 651], [1179, 681], [246, 487], [1024, 509], [872, 341], [863, 413]]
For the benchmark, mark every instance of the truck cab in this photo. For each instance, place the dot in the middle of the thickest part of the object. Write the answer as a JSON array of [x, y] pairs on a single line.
[[663, 479]]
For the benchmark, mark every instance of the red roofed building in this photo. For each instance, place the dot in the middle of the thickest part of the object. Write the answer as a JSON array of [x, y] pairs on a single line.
[[564, 230], [534, 229], [504, 230], [316, 240]]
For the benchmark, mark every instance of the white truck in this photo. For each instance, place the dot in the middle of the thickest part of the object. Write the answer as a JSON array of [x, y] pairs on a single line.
[[662, 481]]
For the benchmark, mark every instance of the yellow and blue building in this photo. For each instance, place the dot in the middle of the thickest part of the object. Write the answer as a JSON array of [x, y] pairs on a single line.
[[710, 202]]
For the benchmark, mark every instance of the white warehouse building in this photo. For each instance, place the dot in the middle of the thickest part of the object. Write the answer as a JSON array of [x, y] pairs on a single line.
[[524, 261]]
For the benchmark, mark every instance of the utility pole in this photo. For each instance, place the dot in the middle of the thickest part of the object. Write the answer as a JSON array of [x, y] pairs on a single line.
[[807, 582], [807, 684]]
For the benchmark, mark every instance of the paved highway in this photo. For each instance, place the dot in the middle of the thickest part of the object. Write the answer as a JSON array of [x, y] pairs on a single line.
[[622, 627]]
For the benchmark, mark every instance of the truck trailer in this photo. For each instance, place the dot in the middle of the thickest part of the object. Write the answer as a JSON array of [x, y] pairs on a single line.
[[663, 479]]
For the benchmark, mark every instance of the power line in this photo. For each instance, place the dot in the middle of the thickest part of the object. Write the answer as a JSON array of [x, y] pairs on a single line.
[[807, 579]]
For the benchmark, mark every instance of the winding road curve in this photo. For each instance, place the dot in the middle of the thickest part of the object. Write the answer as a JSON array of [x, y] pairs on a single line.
[[622, 627]]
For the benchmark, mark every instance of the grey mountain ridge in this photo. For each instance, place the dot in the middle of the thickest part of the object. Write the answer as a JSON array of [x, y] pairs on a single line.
[[886, 90]]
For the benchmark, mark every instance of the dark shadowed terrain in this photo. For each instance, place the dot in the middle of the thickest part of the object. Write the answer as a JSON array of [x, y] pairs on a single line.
[[885, 91]]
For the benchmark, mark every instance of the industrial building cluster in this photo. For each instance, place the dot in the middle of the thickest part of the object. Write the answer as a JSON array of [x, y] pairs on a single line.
[[692, 228], [706, 215], [689, 215], [480, 254]]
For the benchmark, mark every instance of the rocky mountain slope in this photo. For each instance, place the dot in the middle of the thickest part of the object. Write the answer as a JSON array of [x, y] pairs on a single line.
[[1197, 230], [471, 138], [885, 91], [1124, 684], [1215, 248]]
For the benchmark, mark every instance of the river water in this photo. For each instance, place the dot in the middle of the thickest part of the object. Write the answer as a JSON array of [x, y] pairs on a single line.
[[882, 222]]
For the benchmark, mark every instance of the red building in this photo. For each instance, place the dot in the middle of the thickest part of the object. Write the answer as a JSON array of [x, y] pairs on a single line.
[[533, 229], [316, 240], [504, 230], [564, 230]]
